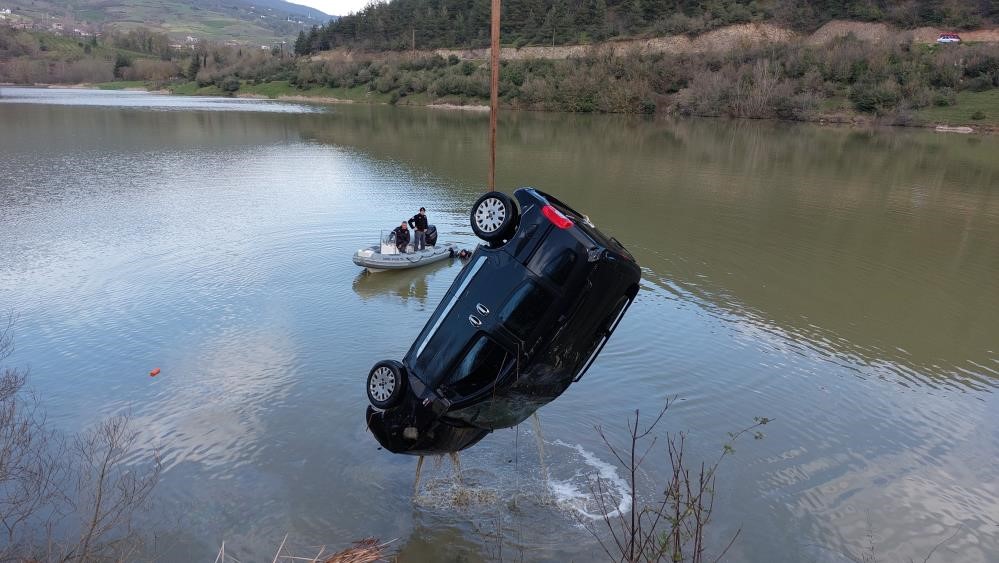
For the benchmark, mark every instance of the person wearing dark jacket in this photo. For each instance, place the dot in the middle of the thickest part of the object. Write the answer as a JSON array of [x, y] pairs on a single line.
[[401, 234], [419, 225]]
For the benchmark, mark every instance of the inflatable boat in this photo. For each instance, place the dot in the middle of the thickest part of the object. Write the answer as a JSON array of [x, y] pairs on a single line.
[[386, 256]]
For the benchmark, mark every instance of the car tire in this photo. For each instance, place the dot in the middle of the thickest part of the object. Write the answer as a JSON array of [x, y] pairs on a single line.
[[494, 217], [386, 384]]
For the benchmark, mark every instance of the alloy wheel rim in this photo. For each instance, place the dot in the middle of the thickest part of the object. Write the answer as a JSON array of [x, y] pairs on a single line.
[[382, 384], [489, 215]]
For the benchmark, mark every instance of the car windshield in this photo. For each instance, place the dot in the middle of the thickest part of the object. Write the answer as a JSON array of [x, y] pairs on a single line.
[[479, 368]]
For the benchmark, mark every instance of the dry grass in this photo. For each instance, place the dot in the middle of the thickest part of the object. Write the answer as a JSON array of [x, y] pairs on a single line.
[[365, 551], [368, 550]]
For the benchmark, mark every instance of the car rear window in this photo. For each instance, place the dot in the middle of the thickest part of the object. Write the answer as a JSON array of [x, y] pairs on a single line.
[[525, 308], [479, 368]]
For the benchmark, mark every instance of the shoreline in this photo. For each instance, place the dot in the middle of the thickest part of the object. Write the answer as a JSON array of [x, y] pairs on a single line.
[[840, 119]]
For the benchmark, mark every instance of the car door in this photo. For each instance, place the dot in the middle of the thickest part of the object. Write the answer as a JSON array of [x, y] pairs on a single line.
[[492, 351], [467, 309]]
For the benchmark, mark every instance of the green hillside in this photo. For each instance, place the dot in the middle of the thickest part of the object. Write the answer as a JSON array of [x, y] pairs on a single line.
[[245, 21], [465, 23]]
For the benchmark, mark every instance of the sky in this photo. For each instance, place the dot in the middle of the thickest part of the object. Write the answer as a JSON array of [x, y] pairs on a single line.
[[335, 7]]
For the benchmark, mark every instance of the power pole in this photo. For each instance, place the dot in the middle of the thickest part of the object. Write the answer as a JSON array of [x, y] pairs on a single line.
[[494, 60]]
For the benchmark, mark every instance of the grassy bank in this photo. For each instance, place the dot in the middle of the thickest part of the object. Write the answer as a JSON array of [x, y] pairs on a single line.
[[844, 80], [276, 90], [121, 85], [976, 109]]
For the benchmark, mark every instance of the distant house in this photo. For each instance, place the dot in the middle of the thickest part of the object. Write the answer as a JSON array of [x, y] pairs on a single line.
[[4, 11]]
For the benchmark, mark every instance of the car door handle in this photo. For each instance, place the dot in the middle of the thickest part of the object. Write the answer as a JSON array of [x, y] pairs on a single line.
[[482, 309], [476, 322]]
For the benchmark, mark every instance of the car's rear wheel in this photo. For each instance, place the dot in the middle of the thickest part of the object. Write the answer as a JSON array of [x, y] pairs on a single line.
[[494, 217], [386, 383]]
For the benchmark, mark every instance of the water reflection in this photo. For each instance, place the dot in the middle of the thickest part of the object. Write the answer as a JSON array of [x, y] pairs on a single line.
[[403, 284], [145, 100]]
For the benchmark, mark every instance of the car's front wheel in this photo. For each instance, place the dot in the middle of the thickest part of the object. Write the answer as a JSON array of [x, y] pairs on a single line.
[[386, 383], [494, 217]]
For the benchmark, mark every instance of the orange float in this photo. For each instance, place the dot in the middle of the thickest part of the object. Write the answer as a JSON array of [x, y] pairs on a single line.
[[154, 372]]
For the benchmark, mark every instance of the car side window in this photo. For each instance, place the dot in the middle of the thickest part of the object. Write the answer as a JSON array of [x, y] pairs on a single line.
[[560, 267], [525, 308], [479, 368]]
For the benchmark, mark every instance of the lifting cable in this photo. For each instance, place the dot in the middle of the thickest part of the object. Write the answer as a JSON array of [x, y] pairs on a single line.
[[494, 66]]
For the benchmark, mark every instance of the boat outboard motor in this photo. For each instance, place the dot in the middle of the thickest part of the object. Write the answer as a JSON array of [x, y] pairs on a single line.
[[431, 235]]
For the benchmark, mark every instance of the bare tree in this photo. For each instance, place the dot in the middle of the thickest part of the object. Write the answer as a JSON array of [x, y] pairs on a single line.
[[672, 528], [29, 468], [45, 481], [108, 490]]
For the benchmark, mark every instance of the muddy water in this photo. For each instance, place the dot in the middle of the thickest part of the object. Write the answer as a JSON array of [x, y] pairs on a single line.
[[842, 282]]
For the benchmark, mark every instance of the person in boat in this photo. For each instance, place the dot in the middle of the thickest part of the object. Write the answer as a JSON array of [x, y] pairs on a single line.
[[419, 225], [401, 235]]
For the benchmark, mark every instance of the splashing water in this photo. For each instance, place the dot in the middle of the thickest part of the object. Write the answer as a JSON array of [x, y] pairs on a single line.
[[456, 467], [539, 438], [419, 470], [581, 497], [450, 491], [569, 483]]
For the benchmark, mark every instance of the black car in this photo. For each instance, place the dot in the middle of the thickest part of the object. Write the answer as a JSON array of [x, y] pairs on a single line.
[[526, 317]]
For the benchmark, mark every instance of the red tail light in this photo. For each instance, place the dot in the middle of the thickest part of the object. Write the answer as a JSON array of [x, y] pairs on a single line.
[[556, 217]]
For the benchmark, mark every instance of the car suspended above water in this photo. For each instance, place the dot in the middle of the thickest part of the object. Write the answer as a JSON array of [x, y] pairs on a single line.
[[525, 318]]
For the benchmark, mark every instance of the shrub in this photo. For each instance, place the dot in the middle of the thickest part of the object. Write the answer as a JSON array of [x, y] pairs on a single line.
[[120, 63], [980, 83], [944, 98], [204, 78], [875, 98], [680, 23], [384, 84], [457, 85], [978, 115], [229, 84], [147, 69]]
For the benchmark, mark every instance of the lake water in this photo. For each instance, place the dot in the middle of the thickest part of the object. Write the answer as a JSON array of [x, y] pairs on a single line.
[[843, 282]]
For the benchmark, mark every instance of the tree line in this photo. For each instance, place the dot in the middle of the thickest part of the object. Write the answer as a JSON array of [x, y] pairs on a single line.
[[796, 81], [428, 24]]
